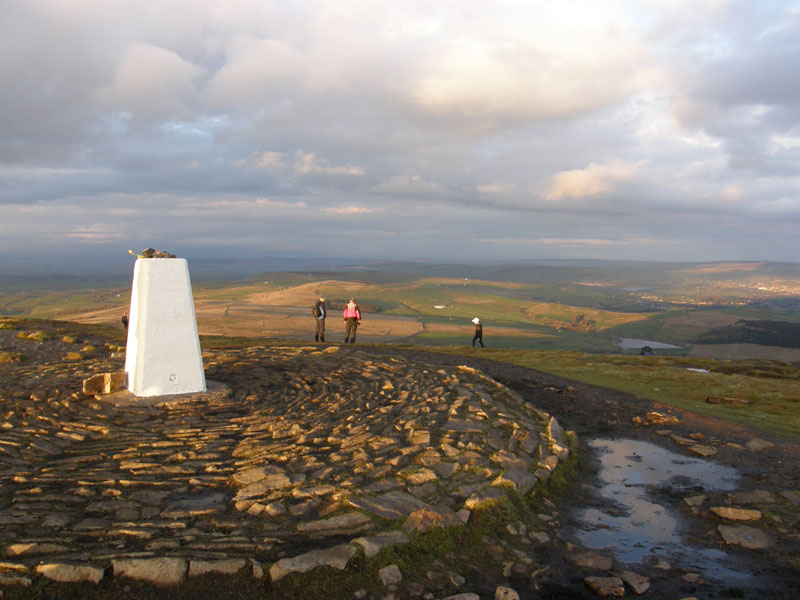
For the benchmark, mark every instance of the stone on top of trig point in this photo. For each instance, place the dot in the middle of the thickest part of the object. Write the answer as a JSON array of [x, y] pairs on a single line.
[[163, 352]]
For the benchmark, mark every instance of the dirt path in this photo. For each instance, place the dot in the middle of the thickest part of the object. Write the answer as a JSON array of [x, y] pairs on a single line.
[[594, 412]]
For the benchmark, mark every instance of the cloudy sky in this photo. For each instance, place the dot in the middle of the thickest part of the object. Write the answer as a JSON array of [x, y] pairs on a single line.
[[461, 129]]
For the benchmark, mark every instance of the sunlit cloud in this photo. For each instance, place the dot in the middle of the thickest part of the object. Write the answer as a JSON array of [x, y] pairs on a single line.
[[594, 180], [95, 233], [302, 163], [265, 125], [349, 209], [581, 242]]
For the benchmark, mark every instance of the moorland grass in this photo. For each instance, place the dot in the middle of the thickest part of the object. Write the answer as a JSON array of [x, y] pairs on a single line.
[[771, 388]]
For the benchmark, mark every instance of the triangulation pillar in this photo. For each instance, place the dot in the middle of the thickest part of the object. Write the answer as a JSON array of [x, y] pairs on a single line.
[[163, 352]]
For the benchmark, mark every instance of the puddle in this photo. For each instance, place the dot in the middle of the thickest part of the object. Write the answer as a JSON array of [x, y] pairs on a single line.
[[637, 526]]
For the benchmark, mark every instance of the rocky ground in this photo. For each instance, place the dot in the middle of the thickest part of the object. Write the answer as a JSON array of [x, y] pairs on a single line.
[[309, 464]]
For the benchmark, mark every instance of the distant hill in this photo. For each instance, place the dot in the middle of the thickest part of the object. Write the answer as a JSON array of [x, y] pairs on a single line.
[[550, 304], [764, 333]]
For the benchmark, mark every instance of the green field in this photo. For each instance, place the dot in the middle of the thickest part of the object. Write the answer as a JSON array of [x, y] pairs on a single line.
[[570, 308], [771, 388]]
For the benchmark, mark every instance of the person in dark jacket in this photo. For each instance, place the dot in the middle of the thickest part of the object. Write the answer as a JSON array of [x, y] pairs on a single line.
[[320, 312], [478, 332], [352, 319]]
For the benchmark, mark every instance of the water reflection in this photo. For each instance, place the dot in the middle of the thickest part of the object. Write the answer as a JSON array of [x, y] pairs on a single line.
[[638, 525]]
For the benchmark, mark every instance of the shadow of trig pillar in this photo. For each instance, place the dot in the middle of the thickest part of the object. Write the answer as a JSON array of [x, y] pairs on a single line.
[[163, 351]]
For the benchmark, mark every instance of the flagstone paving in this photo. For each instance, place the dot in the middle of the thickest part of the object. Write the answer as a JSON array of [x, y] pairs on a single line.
[[297, 457]]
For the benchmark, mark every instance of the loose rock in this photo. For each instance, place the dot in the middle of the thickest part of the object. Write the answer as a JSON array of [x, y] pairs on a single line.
[[747, 537], [336, 557], [606, 586], [390, 575], [505, 593]]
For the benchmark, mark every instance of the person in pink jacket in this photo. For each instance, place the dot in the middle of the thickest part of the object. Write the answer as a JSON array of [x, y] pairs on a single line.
[[352, 319]]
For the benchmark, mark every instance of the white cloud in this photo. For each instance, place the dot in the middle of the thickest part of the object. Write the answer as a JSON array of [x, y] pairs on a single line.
[[255, 123], [594, 180], [581, 242], [151, 81], [349, 209], [301, 163], [408, 185], [95, 233]]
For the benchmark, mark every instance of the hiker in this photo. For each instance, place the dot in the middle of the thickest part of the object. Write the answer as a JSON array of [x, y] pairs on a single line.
[[125, 320], [319, 319], [478, 332], [352, 319]]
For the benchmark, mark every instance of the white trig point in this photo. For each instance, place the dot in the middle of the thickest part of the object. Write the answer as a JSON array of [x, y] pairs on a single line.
[[163, 352]]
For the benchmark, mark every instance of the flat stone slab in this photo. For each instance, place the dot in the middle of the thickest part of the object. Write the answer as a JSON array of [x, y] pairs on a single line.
[[702, 450], [251, 475], [757, 444], [520, 480], [264, 486], [159, 488], [68, 573], [340, 522], [423, 519], [13, 579], [392, 505], [746, 537], [791, 496], [606, 586], [591, 560], [390, 575], [754, 497], [215, 391], [35, 548], [463, 426], [372, 545], [336, 557], [736, 514], [164, 571], [638, 583], [223, 566]]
